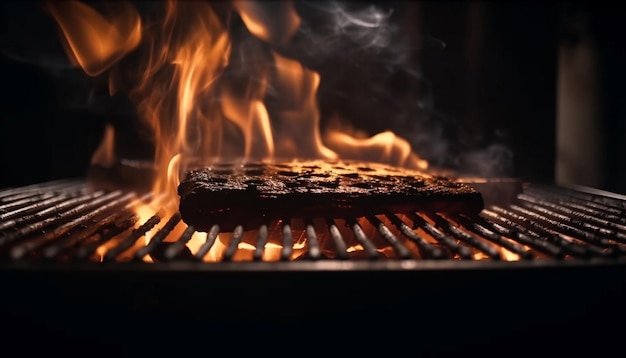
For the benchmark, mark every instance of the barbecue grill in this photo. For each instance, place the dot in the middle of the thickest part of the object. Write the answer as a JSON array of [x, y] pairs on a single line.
[[549, 256], [65, 221]]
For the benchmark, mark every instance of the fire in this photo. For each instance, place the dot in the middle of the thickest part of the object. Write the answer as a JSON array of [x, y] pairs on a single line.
[[205, 92], [385, 145], [104, 154], [93, 40], [275, 24]]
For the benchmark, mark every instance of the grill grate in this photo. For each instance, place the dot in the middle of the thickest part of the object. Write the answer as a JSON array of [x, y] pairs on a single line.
[[65, 221]]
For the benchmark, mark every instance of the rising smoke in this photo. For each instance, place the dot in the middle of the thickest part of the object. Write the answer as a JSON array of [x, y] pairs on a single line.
[[371, 78]]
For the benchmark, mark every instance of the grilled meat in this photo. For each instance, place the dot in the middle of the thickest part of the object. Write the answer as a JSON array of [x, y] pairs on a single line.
[[250, 194]]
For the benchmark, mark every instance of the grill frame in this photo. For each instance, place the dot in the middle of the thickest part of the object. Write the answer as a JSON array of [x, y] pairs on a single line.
[[552, 306], [310, 266]]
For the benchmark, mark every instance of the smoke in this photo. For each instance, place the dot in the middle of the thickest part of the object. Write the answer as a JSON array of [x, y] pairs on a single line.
[[368, 60], [366, 28], [495, 160]]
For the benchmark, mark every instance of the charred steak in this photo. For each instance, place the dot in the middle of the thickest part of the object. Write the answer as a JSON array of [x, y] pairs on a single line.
[[250, 194]]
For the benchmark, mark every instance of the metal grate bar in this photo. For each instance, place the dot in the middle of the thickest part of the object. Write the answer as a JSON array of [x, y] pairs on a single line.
[[519, 233], [176, 249], [210, 241], [340, 245], [158, 238], [26, 191], [560, 230], [494, 237], [314, 252], [570, 247], [426, 249], [5, 209], [91, 243], [72, 240], [462, 251], [362, 239], [90, 209], [597, 224], [402, 250], [447, 226], [233, 244], [132, 238], [16, 217], [568, 198], [285, 252], [260, 243], [55, 215], [49, 210]]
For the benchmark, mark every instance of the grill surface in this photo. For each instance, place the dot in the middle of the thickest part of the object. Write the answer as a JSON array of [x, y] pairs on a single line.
[[64, 221], [82, 271]]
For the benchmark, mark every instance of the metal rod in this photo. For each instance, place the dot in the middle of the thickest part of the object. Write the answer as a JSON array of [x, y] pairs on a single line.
[[341, 249], [286, 251], [27, 210], [173, 251], [261, 240], [463, 251], [569, 197], [76, 237], [571, 248], [519, 233], [482, 246], [494, 237], [581, 229], [158, 238], [597, 219], [29, 196], [47, 217], [14, 205], [426, 249], [314, 252], [9, 194], [402, 251], [132, 238], [362, 239], [57, 232], [591, 240], [208, 244], [233, 244]]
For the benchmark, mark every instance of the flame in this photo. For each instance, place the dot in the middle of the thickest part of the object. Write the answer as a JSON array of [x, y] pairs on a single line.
[[205, 93], [275, 24], [93, 40], [104, 154], [382, 147]]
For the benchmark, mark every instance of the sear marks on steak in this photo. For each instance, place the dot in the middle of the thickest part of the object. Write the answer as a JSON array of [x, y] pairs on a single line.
[[251, 194]]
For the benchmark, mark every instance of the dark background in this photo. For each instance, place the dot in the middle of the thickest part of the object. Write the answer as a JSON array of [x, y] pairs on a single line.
[[494, 83]]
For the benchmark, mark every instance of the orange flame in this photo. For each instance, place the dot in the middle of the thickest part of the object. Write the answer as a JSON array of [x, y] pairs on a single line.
[[383, 147], [203, 96], [298, 119], [275, 23], [92, 40], [104, 154]]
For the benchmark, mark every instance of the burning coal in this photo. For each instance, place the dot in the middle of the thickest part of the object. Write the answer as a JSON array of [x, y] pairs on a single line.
[[207, 88]]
